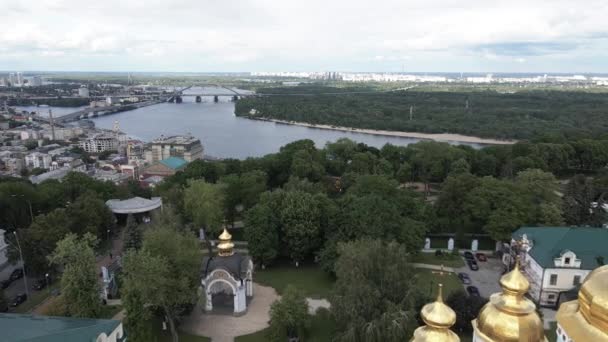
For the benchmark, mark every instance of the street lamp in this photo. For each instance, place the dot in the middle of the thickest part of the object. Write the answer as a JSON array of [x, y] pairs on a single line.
[[27, 290], [29, 203], [46, 276]]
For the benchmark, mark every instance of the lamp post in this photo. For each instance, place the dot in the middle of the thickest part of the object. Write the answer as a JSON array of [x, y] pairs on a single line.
[[30, 205], [27, 290], [46, 277]]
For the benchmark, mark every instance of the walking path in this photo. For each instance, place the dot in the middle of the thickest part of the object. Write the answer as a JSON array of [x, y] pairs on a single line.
[[224, 328], [433, 267]]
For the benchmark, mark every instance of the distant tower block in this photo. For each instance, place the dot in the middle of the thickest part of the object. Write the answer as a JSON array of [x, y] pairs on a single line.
[[116, 127]]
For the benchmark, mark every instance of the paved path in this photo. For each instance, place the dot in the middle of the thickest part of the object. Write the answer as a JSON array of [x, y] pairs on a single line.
[[548, 317], [315, 304], [433, 267], [486, 279], [224, 328]]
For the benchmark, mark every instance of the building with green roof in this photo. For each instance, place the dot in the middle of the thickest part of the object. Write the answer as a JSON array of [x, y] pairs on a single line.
[[166, 167], [557, 259], [29, 328]]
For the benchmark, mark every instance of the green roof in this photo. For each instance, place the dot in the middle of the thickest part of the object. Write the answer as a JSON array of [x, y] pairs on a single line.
[[174, 163], [551, 242], [28, 328]]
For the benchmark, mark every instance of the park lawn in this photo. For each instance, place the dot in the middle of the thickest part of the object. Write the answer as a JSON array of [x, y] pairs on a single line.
[[160, 335], [309, 279], [36, 297], [448, 260], [427, 281], [109, 311], [321, 330]]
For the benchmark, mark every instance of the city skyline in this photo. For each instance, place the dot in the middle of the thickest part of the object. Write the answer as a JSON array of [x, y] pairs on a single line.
[[390, 36]]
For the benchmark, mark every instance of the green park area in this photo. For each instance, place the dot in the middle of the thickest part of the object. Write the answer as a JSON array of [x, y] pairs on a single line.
[[446, 259], [311, 280]]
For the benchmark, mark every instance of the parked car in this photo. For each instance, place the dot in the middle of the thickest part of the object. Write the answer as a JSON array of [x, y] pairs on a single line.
[[5, 283], [17, 274], [473, 265], [41, 283], [481, 257], [469, 256], [464, 278], [473, 291], [19, 299]]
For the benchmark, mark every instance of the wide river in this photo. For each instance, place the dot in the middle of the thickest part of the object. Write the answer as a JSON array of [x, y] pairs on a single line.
[[222, 133]]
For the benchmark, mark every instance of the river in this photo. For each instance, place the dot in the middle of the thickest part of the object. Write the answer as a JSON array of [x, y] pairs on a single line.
[[222, 133]]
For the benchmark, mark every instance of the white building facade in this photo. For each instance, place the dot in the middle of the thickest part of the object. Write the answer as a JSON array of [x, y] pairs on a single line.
[[38, 160]]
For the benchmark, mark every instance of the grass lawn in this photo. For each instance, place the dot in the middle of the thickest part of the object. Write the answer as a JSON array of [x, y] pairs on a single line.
[[310, 279], [36, 297], [551, 334], [321, 330], [448, 260], [108, 311], [427, 282], [160, 335]]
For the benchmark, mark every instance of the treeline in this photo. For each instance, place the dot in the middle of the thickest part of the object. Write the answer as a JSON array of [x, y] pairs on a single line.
[[520, 115], [300, 203]]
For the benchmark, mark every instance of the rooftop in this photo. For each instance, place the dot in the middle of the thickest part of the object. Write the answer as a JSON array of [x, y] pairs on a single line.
[[176, 140], [30, 328], [550, 242], [134, 205], [174, 163]]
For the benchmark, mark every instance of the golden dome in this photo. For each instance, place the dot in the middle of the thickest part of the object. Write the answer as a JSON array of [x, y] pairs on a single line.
[[438, 318], [587, 318], [225, 246], [509, 316]]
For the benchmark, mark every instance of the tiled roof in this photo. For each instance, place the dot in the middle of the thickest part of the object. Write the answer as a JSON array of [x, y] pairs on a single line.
[[174, 163], [549, 242], [15, 327]]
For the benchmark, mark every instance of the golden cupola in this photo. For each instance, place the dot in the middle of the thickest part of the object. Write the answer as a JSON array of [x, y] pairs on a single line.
[[225, 246], [509, 316], [586, 319], [438, 318]]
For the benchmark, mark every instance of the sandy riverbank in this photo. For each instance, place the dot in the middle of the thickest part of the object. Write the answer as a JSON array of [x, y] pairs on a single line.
[[425, 136]]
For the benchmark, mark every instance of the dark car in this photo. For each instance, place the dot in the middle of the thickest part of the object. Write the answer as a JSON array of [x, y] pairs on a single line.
[[473, 265], [5, 283], [473, 291], [17, 274], [481, 257], [19, 299], [41, 283], [464, 278], [469, 256]]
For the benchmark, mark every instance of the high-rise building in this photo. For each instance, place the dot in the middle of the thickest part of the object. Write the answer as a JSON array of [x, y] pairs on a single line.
[[12, 79], [36, 81], [20, 78], [185, 147]]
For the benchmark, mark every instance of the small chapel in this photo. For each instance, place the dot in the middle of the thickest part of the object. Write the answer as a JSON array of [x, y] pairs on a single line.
[[227, 278]]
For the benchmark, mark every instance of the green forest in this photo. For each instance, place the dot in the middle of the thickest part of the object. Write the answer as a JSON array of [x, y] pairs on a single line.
[[488, 114]]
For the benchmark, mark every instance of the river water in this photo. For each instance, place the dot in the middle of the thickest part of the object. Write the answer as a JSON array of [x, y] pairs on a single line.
[[222, 133]]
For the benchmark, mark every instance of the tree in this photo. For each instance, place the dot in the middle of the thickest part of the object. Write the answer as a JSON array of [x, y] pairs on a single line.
[[262, 232], [40, 239], [204, 204], [163, 275], [466, 308], [301, 224], [289, 316], [579, 194], [374, 294], [460, 166], [79, 286], [3, 301], [133, 235], [89, 213]]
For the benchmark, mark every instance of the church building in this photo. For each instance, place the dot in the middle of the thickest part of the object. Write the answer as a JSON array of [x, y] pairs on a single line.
[[227, 277]]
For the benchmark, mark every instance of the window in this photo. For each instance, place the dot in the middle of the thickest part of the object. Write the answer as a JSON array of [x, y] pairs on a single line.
[[567, 261], [551, 297], [553, 279], [577, 280]]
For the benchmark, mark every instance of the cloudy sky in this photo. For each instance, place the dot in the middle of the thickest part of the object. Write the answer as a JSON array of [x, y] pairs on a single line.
[[305, 35]]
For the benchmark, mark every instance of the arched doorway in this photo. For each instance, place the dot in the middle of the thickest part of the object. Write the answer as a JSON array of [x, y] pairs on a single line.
[[222, 295]]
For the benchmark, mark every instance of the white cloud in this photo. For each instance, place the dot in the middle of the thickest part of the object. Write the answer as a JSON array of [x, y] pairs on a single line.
[[299, 35]]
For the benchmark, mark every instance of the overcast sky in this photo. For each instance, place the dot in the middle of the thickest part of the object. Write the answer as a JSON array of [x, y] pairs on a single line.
[[305, 35]]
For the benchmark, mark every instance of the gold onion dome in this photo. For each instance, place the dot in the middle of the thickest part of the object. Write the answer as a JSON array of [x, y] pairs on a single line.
[[438, 318], [509, 316], [587, 318], [225, 246]]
